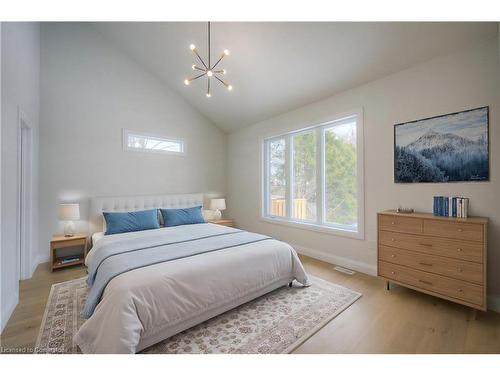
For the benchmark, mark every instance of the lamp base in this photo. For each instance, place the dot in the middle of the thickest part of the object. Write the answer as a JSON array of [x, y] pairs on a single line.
[[69, 229], [217, 215]]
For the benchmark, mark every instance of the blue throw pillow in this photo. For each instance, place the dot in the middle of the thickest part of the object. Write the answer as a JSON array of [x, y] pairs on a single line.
[[122, 222], [181, 216]]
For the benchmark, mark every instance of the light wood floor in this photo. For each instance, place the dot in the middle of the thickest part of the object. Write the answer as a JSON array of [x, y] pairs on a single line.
[[395, 321]]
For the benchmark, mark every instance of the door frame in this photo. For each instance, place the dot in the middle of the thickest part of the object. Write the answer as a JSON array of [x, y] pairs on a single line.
[[24, 232]]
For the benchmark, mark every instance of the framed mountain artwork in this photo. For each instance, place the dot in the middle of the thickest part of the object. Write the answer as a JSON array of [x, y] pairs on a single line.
[[447, 148]]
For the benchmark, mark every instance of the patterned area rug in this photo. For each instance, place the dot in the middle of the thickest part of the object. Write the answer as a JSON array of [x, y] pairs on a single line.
[[277, 322]]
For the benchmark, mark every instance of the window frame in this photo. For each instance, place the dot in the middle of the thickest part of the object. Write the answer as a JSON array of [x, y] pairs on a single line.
[[127, 132], [320, 224]]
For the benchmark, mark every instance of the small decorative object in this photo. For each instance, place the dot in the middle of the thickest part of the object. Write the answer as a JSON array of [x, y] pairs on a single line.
[[207, 69], [69, 212], [451, 206], [447, 148], [404, 210], [217, 205]]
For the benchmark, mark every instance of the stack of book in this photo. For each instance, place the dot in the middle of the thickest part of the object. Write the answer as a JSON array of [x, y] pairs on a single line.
[[70, 259], [451, 206]]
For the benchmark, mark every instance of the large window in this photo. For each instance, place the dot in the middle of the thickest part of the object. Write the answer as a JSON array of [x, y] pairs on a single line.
[[314, 177]]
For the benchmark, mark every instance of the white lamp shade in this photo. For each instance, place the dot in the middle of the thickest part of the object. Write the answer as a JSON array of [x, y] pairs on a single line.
[[218, 204], [69, 211]]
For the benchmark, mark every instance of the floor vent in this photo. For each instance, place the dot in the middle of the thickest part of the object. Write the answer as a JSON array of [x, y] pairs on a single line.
[[344, 270]]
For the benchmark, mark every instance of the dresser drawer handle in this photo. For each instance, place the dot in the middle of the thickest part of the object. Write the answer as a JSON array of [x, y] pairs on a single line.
[[425, 244], [459, 249], [460, 290], [392, 239], [393, 223], [425, 264], [393, 256], [393, 273], [460, 269], [425, 282], [460, 229]]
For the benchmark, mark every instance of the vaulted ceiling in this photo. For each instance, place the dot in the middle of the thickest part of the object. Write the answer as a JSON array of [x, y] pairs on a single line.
[[275, 67]]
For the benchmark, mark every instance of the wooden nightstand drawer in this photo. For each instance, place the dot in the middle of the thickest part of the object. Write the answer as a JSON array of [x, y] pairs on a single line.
[[456, 230], [458, 269], [442, 285], [68, 243], [400, 224]]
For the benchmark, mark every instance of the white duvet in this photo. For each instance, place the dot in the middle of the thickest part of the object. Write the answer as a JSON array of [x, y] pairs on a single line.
[[144, 306]]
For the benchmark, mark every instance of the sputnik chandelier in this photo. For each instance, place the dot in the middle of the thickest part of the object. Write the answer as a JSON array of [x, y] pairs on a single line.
[[208, 70]]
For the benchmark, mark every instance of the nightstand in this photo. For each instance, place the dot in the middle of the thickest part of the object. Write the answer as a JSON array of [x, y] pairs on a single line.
[[61, 242], [225, 222]]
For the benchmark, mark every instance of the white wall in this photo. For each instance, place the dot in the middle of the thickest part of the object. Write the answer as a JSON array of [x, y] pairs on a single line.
[[20, 88], [89, 92], [2, 316], [463, 80]]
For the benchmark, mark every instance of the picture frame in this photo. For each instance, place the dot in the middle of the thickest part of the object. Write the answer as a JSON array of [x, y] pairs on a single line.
[[453, 147]]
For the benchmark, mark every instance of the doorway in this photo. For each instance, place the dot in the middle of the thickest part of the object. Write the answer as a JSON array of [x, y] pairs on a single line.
[[25, 196]]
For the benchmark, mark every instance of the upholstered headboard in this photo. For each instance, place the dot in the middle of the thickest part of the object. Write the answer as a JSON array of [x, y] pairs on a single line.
[[136, 203]]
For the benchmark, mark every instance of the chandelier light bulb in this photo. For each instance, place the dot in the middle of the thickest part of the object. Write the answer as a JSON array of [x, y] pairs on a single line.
[[186, 82], [226, 52], [209, 73], [192, 47], [230, 88], [224, 71], [209, 95], [193, 66]]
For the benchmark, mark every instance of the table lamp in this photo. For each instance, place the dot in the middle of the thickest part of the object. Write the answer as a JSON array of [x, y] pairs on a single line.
[[217, 205], [69, 212]]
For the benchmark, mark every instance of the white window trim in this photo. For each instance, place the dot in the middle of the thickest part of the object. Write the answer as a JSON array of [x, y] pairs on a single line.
[[313, 226], [125, 146]]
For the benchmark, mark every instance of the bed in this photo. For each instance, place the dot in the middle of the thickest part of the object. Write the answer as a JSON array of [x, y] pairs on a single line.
[[150, 285]]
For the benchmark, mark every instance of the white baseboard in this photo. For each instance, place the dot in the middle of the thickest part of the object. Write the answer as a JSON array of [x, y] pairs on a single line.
[[10, 305], [7, 310], [337, 260], [40, 258]]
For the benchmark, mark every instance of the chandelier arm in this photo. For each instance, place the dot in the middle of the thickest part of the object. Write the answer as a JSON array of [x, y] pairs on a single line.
[[192, 79], [208, 88], [218, 61], [218, 71], [201, 60], [221, 81], [198, 68]]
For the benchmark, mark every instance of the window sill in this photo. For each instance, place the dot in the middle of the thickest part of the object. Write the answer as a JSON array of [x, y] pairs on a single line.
[[315, 228]]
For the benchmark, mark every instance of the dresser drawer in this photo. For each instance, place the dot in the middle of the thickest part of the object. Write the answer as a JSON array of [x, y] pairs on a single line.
[[442, 285], [400, 224], [458, 269], [456, 230], [464, 250]]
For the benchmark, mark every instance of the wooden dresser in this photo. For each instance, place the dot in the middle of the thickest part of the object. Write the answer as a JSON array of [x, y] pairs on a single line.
[[441, 256]]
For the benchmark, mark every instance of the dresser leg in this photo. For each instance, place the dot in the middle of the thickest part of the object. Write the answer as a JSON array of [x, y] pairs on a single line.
[[474, 314], [387, 285]]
